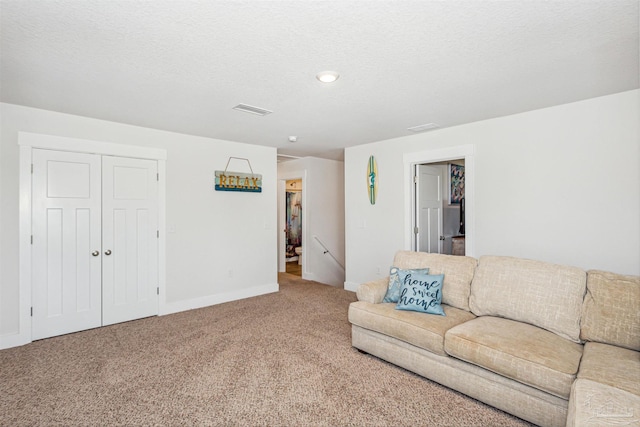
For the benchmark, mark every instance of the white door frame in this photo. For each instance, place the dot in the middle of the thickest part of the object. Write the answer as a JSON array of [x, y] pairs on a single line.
[[27, 142], [302, 175], [439, 155]]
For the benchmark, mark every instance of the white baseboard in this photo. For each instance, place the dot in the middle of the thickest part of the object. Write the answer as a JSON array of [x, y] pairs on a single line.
[[13, 340], [308, 276], [178, 306], [24, 337], [351, 286]]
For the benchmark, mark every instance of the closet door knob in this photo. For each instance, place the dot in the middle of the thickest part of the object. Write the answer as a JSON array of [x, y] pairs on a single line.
[[95, 253], [108, 252]]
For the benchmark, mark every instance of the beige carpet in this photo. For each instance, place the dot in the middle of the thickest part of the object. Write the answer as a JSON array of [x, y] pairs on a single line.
[[282, 359]]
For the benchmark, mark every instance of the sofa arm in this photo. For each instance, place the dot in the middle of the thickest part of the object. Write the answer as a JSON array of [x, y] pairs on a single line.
[[373, 291]]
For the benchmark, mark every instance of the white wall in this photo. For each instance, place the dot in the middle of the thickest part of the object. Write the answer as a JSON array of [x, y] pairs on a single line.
[[217, 236], [323, 216], [560, 184]]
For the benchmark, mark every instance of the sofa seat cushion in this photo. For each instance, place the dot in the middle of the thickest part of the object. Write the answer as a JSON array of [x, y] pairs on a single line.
[[522, 352], [420, 329], [611, 365]]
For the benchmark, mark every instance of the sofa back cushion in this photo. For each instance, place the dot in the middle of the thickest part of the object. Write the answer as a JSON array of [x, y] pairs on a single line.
[[611, 310], [458, 273], [542, 294]]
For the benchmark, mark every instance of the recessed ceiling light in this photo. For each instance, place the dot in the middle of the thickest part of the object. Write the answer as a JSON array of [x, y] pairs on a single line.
[[327, 76]]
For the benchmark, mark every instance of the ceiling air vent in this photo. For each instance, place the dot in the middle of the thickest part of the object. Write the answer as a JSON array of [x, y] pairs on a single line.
[[251, 109], [422, 128], [286, 158]]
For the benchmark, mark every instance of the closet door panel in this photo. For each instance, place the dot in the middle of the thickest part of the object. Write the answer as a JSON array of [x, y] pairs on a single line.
[[130, 242], [66, 221]]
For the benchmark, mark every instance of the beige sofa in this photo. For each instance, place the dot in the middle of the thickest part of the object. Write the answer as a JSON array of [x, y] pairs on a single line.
[[551, 344]]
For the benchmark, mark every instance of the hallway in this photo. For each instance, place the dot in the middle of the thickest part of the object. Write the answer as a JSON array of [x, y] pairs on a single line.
[[294, 268]]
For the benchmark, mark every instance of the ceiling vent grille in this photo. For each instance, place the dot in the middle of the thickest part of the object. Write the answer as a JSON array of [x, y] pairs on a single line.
[[251, 109], [422, 128], [286, 157]]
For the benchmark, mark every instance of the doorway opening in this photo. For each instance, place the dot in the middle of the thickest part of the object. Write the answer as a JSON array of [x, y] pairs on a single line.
[[439, 207], [293, 226], [288, 260], [443, 159]]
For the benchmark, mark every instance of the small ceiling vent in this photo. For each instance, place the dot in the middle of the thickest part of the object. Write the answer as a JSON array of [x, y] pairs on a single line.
[[286, 157], [251, 109], [422, 128]]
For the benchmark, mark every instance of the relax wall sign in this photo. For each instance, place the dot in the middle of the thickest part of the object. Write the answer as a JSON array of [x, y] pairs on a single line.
[[237, 181]]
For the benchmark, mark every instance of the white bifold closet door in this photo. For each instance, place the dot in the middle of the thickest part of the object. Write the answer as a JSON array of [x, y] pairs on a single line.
[[66, 227], [129, 239], [95, 246]]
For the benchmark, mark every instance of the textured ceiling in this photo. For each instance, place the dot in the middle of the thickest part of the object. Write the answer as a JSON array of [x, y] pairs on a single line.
[[182, 65]]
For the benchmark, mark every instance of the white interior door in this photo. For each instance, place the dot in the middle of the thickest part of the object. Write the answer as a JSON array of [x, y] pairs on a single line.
[[429, 205], [66, 233], [130, 239]]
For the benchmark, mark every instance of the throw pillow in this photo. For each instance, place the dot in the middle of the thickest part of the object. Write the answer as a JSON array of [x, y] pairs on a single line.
[[393, 291], [421, 292]]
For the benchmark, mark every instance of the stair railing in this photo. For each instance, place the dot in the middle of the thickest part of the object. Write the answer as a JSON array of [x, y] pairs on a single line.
[[327, 251]]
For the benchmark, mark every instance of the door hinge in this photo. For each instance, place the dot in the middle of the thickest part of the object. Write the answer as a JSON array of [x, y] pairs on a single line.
[[158, 234], [32, 239], [32, 168], [415, 230], [415, 179], [158, 290], [157, 177], [31, 311]]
